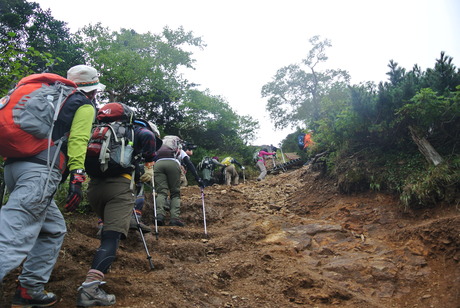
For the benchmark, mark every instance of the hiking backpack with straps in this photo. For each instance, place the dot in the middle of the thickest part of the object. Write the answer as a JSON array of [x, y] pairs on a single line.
[[300, 138], [171, 147], [29, 111], [206, 163], [110, 148]]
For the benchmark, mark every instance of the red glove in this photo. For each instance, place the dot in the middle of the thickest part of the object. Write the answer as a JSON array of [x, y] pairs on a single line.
[[77, 177]]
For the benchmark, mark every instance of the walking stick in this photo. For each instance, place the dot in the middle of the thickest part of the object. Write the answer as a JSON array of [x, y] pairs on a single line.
[[143, 240], [204, 212], [155, 208]]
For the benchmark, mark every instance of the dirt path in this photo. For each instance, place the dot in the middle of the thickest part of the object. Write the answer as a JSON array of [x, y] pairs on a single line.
[[288, 241]]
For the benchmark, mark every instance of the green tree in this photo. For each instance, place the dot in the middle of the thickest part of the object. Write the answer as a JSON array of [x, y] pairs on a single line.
[[143, 70], [211, 122], [295, 93], [36, 30]]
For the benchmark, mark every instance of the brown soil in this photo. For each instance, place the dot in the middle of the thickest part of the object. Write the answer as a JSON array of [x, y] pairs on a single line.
[[291, 240]]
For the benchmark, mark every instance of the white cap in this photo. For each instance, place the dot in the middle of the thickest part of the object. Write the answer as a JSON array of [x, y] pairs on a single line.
[[86, 78]]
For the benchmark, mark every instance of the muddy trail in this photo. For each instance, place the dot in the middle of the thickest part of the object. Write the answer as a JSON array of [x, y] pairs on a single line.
[[289, 241]]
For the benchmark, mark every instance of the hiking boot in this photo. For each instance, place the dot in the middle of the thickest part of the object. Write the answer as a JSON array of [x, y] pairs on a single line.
[[133, 225], [176, 222], [90, 294], [160, 220], [31, 298]]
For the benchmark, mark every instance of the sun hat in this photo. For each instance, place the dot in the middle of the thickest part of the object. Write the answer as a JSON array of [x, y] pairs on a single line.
[[86, 78]]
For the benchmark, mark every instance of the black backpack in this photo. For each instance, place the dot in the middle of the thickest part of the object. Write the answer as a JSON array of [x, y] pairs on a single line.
[[110, 149]]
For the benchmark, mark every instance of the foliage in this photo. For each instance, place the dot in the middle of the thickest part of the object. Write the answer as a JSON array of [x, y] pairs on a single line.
[[365, 128], [432, 185], [296, 90], [37, 34], [20, 64], [212, 123], [142, 70]]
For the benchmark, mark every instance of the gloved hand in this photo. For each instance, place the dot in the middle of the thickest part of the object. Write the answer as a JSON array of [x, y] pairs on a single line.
[[200, 182], [242, 168], [75, 195], [148, 174]]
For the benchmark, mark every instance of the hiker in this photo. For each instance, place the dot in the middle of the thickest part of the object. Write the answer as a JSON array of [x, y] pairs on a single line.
[[207, 166], [307, 141], [188, 149], [32, 226], [111, 196], [231, 176], [167, 179], [261, 163]]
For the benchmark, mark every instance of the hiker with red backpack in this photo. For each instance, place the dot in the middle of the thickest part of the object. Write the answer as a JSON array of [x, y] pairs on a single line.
[[119, 141], [32, 228]]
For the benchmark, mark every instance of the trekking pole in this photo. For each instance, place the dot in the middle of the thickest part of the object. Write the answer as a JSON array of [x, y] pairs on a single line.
[[204, 212], [244, 179], [283, 166], [3, 192], [149, 257], [155, 208], [282, 155]]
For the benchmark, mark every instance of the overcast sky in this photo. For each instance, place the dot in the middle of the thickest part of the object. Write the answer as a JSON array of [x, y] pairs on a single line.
[[249, 40]]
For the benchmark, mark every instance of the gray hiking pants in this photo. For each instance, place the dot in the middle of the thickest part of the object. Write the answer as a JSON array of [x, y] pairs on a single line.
[[167, 180], [231, 176], [30, 228], [263, 170]]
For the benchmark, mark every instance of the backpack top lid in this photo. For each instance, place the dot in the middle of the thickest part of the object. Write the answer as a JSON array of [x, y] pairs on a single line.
[[48, 78], [172, 142], [111, 112]]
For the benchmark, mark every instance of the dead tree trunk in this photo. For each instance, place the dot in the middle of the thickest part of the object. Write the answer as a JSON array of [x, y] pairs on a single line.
[[425, 147]]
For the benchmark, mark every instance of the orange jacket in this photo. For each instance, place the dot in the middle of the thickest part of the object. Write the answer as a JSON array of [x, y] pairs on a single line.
[[307, 140]]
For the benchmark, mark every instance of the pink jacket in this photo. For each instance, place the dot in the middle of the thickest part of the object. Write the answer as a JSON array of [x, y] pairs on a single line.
[[262, 155]]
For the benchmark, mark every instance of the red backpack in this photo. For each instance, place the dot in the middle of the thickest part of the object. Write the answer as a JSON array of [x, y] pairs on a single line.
[[28, 113], [110, 148]]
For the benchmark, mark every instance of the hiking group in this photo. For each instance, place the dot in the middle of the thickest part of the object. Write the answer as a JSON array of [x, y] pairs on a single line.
[[68, 139]]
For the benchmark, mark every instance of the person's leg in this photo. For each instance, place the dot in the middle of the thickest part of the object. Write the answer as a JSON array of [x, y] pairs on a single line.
[[32, 228], [263, 170], [228, 177], [161, 188], [116, 205], [173, 180]]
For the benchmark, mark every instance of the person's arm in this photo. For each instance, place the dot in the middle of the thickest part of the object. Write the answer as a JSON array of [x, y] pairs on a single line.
[[146, 140], [191, 167], [217, 163], [147, 144], [236, 162], [80, 132]]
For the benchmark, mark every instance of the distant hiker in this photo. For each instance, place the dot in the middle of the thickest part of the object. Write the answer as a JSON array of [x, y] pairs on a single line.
[[261, 163], [32, 227], [307, 141], [111, 192], [231, 175], [188, 149], [167, 179], [207, 166]]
